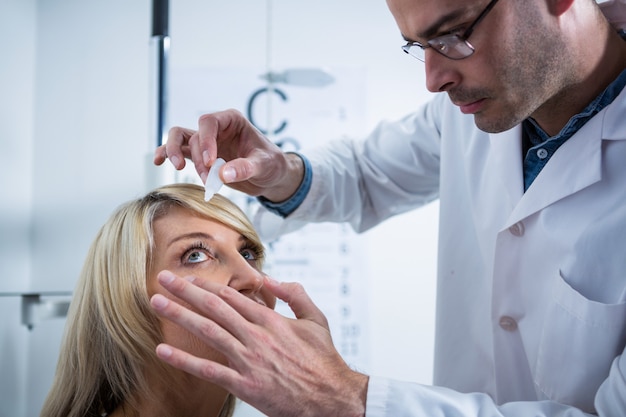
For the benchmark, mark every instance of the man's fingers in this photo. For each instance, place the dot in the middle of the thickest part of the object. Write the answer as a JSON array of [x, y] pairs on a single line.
[[241, 305], [177, 143], [195, 150], [237, 170], [298, 300], [202, 368], [209, 129], [160, 155], [208, 301], [204, 328]]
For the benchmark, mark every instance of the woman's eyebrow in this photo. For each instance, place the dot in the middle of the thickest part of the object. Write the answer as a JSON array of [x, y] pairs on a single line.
[[244, 241], [192, 235]]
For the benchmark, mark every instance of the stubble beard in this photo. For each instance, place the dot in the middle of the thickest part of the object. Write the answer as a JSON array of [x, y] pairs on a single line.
[[531, 70]]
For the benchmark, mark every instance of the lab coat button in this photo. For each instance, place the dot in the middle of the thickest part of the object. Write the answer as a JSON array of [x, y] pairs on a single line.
[[517, 229], [542, 153], [508, 323]]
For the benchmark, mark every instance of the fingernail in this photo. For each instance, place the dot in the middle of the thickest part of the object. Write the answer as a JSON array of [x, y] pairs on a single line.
[[158, 301], [164, 351], [175, 160], [228, 174], [206, 158], [166, 277]]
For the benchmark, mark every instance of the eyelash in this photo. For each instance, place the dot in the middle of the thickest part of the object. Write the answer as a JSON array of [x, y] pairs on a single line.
[[258, 254], [194, 248], [459, 30], [248, 246]]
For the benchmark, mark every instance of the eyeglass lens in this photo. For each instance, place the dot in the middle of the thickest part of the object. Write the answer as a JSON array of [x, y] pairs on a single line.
[[451, 46]]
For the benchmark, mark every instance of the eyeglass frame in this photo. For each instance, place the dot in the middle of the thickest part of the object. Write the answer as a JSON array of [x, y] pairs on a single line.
[[459, 38]]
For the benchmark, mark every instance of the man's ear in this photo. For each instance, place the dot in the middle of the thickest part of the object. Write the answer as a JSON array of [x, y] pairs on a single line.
[[558, 7]]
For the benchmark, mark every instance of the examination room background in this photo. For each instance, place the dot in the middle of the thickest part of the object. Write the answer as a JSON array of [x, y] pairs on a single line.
[[75, 129]]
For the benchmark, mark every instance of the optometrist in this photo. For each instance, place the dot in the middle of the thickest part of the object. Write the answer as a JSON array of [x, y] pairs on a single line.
[[526, 151]]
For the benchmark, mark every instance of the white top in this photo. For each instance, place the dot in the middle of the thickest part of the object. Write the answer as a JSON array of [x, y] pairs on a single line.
[[531, 301]]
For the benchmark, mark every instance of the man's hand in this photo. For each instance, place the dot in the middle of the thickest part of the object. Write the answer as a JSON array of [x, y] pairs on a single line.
[[284, 367], [254, 165]]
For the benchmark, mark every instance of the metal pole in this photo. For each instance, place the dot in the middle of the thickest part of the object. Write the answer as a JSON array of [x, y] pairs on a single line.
[[161, 42]]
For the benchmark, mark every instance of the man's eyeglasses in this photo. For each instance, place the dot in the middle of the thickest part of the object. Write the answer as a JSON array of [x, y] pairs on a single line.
[[453, 46]]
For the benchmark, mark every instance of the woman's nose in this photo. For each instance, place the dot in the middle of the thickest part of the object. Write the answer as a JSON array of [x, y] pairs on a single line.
[[245, 278], [441, 74]]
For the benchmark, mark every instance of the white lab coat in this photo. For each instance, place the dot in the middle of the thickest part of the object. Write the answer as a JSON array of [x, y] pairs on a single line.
[[531, 296]]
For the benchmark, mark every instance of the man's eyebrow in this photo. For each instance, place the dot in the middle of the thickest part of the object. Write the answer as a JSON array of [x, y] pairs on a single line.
[[434, 28]]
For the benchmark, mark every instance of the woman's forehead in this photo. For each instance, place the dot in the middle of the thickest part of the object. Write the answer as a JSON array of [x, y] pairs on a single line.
[[180, 221]]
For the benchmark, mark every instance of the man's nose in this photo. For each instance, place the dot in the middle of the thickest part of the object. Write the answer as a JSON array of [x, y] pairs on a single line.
[[441, 74]]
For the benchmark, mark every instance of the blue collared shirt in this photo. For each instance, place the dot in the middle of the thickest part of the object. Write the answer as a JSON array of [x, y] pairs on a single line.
[[539, 147]]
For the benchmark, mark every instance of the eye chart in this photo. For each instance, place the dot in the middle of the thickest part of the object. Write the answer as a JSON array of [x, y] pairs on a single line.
[[296, 108]]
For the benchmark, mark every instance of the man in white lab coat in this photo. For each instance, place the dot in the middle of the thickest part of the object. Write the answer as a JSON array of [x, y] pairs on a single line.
[[527, 154]]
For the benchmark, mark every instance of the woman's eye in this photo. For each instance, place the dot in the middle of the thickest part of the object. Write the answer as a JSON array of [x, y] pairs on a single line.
[[196, 256], [249, 254]]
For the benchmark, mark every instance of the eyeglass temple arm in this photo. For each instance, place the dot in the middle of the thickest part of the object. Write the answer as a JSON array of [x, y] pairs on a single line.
[[470, 29]]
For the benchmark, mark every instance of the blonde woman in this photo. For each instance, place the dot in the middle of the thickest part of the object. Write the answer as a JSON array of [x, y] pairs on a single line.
[[107, 365]]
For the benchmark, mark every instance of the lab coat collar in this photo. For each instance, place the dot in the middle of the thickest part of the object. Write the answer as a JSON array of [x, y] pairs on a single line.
[[614, 124], [576, 165]]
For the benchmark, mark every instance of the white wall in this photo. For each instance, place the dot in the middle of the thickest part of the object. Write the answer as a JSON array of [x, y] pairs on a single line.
[[17, 29], [75, 129], [346, 33], [17, 73], [92, 105]]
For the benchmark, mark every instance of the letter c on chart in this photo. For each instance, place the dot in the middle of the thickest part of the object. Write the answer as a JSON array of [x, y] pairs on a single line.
[[254, 96]]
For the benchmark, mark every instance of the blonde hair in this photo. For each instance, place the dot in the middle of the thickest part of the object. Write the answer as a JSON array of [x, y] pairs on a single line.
[[111, 331]]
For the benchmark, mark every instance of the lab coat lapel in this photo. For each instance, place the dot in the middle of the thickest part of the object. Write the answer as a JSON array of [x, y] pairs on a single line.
[[507, 149], [573, 167]]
